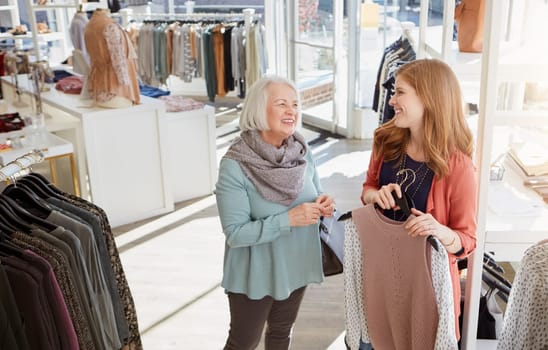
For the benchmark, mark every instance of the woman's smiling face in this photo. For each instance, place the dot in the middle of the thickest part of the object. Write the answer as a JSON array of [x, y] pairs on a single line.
[[408, 107], [282, 113]]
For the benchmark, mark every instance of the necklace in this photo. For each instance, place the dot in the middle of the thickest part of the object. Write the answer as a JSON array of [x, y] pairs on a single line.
[[405, 177]]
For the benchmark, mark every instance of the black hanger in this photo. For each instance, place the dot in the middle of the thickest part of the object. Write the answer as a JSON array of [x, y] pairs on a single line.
[[499, 277], [12, 219], [405, 203], [8, 248], [28, 200], [26, 216], [345, 216], [35, 188], [490, 261], [5, 226], [44, 184], [502, 290]]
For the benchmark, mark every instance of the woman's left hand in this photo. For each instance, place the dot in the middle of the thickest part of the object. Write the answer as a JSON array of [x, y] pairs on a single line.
[[422, 224], [327, 203]]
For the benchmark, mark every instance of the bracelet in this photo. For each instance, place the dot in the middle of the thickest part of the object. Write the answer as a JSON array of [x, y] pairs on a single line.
[[453, 241]]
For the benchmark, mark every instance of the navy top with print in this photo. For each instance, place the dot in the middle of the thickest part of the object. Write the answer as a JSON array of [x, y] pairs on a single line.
[[416, 182]]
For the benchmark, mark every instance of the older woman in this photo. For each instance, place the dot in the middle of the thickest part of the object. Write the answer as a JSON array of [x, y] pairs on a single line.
[[269, 199]]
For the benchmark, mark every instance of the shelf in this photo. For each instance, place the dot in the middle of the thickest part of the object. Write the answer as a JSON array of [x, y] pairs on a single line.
[[8, 7], [86, 6], [51, 145], [54, 36], [516, 63], [524, 118], [54, 6], [510, 235]]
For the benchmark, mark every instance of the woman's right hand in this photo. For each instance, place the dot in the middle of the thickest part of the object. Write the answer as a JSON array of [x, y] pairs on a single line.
[[304, 214], [383, 196]]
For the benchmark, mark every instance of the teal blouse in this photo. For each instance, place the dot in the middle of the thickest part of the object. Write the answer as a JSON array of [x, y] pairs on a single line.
[[263, 254]]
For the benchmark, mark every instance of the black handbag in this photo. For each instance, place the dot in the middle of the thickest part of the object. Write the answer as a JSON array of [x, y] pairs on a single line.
[[332, 265]]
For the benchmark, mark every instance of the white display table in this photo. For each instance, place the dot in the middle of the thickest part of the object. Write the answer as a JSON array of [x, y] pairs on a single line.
[[136, 161], [53, 147], [191, 152]]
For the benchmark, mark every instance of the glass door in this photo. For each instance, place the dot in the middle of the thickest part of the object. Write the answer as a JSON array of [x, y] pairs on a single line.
[[316, 61]]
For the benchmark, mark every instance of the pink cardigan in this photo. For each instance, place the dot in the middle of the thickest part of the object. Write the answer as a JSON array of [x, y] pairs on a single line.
[[453, 202]]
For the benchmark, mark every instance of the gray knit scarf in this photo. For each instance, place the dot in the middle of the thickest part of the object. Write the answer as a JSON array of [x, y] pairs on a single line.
[[277, 173]]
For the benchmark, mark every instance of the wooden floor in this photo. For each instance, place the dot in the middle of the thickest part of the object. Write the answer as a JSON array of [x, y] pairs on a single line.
[[173, 263]]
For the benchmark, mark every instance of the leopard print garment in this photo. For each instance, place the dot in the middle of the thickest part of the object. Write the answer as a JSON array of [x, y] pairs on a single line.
[[526, 319], [65, 279]]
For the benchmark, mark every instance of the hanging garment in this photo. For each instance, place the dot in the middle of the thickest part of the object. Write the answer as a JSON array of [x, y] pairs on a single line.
[[180, 103], [78, 246], [13, 323], [77, 30], [400, 51], [134, 338], [60, 264], [367, 301], [526, 318]]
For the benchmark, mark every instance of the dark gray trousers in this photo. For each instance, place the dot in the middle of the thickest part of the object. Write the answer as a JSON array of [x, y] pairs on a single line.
[[248, 317]]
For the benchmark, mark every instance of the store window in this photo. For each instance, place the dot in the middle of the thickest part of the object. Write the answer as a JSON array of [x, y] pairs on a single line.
[[319, 54], [381, 24]]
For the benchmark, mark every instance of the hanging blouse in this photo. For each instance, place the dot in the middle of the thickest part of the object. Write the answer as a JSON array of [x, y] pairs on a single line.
[[526, 318]]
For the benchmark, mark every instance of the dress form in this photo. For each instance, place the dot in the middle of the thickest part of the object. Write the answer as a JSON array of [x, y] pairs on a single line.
[[113, 75]]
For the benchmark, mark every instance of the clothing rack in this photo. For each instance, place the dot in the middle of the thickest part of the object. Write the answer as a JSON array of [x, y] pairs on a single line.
[[21, 163], [247, 15]]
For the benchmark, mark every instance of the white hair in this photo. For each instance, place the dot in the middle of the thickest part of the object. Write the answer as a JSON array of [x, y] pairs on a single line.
[[253, 116]]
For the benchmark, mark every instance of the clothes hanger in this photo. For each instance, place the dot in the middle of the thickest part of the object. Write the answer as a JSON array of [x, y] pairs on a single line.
[[8, 215], [405, 203], [28, 200], [35, 188], [8, 248], [500, 278], [502, 291], [26, 216], [44, 184], [5, 226], [491, 262]]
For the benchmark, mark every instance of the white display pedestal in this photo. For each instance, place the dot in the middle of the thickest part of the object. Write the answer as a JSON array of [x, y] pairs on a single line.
[[191, 152]]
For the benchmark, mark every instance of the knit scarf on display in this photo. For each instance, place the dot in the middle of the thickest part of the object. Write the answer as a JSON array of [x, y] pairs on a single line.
[[277, 173]]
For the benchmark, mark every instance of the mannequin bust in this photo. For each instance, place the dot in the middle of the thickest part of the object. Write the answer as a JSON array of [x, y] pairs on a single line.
[[112, 79]]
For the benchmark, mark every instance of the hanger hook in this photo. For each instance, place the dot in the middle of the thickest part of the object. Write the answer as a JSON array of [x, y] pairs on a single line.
[[408, 174]]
